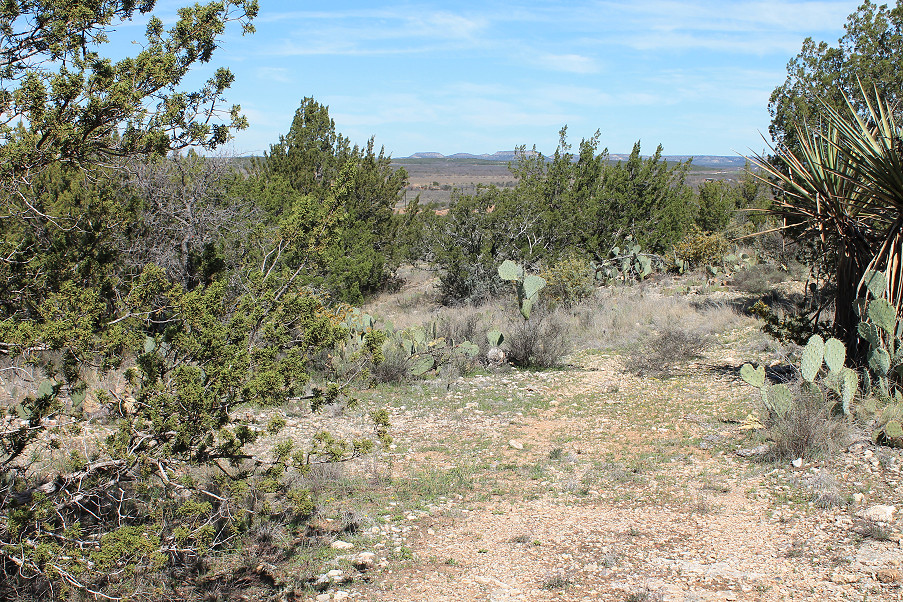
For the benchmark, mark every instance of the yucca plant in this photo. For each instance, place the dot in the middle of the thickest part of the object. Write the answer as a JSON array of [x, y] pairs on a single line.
[[843, 191]]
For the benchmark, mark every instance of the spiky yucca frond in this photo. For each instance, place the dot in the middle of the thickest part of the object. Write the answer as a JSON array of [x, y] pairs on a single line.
[[844, 190]]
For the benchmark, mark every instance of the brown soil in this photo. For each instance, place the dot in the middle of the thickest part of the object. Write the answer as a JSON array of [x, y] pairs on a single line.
[[641, 496]]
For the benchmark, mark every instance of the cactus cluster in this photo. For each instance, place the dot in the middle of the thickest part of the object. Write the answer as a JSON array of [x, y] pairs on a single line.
[[421, 346], [730, 263], [46, 401], [526, 286], [882, 329], [626, 264], [426, 350], [837, 382]]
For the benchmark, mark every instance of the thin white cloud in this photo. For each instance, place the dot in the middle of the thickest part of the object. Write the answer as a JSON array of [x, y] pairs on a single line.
[[378, 32], [275, 74], [569, 63]]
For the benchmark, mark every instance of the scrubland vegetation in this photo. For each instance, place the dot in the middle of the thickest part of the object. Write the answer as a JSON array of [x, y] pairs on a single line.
[[156, 302]]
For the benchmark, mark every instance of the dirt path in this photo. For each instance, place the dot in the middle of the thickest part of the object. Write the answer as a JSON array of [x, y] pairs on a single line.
[[591, 484]]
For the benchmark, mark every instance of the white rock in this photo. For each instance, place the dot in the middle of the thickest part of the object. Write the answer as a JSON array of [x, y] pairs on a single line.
[[341, 545], [879, 513], [797, 463], [496, 356], [364, 561], [334, 573], [341, 595], [322, 598], [516, 444]]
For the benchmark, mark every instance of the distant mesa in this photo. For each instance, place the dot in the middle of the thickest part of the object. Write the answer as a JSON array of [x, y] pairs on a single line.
[[496, 156], [698, 160]]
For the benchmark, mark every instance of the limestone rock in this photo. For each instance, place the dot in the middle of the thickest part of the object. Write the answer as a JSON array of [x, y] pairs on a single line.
[[341, 545], [364, 561], [516, 444], [879, 513], [844, 578], [889, 576]]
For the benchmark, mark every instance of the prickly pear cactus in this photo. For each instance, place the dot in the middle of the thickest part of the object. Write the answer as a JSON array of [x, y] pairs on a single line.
[[778, 399], [840, 381], [627, 263], [835, 354], [813, 355], [526, 286], [753, 376]]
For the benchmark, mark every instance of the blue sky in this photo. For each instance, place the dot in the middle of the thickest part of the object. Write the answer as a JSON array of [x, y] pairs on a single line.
[[482, 76]]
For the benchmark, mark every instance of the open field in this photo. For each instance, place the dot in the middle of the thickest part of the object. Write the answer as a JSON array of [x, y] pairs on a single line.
[[434, 179], [602, 479]]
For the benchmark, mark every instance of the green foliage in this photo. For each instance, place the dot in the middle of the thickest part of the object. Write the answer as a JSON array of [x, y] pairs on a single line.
[[62, 100], [228, 315], [838, 385], [562, 205], [842, 192], [627, 264], [526, 286], [796, 327], [315, 162], [882, 329], [868, 54], [717, 203], [569, 280], [468, 244], [699, 248]]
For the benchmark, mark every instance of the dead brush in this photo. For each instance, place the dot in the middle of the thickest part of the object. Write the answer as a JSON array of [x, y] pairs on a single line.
[[807, 429], [665, 352]]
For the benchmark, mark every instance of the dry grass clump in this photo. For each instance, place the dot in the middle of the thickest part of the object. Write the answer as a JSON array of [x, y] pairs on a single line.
[[826, 491], [394, 368], [666, 351], [622, 316], [760, 278], [807, 429], [556, 580], [460, 324], [540, 342]]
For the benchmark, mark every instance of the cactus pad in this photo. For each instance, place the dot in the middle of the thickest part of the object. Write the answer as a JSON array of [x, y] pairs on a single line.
[[495, 337], [779, 399], [848, 387], [532, 285], [879, 361], [753, 376], [869, 332], [45, 389], [78, 398], [421, 365], [813, 355], [876, 282], [883, 315], [835, 354], [511, 271], [469, 349], [893, 429]]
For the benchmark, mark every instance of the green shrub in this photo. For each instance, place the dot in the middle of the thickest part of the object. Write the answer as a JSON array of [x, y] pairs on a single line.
[[759, 279], [570, 280], [700, 248]]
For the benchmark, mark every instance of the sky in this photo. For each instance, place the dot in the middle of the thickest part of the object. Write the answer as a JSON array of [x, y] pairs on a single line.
[[483, 76]]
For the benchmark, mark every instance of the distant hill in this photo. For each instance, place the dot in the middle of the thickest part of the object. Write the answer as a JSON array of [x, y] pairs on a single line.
[[506, 156]]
